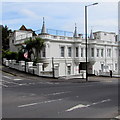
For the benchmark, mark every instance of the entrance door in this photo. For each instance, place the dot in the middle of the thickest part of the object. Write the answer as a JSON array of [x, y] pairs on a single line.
[[102, 67], [82, 66]]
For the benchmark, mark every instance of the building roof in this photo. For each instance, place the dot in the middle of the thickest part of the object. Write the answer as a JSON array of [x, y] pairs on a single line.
[[104, 32], [75, 32], [91, 35], [25, 29], [43, 31]]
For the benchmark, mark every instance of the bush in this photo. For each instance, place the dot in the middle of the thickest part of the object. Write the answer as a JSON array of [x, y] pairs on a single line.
[[9, 55], [20, 56]]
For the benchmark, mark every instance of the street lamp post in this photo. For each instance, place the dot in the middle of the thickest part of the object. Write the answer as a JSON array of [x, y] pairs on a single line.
[[86, 36], [53, 67]]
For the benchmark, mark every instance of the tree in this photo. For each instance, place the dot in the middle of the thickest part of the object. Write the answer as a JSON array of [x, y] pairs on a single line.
[[38, 45], [34, 46], [5, 37], [29, 48]]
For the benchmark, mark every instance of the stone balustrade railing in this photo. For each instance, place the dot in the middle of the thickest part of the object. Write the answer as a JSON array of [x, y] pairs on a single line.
[[29, 68]]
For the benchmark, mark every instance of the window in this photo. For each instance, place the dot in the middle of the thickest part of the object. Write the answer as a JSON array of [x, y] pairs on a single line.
[[69, 52], [108, 52], [77, 51], [92, 52], [102, 52], [116, 53], [97, 52], [62, 51], [119, 52], [102, 67], [69, 70], [43, 52], [81, 52], [115, 66]]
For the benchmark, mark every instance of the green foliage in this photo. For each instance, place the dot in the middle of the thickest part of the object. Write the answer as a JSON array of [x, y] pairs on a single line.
[[34, 46], [9, 55], [5, 37], [38, 45], [20, 55]]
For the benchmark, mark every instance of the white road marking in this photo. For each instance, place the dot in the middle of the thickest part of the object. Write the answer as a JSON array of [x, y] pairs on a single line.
[[31, 83], [22, 84], [100, 102], [47, 83], [3, 85], [84, 106], [57, 93], [31, 104], [76, 107], [17, 79], [7, 77], [11, 82]]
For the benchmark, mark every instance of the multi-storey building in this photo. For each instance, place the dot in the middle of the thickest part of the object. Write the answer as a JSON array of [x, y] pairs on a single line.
[[68, 53]]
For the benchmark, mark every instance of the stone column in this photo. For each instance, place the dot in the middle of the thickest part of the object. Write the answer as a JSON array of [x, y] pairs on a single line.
[[7, 63], [56, 72], [21, 64], [39, 68], [4, 60], [28, 64], [13, 63]]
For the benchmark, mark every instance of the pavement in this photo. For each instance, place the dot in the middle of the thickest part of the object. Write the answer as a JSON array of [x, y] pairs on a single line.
[[35, 77]]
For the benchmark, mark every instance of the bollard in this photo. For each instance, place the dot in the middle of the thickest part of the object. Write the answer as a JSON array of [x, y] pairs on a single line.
[[111, 73]]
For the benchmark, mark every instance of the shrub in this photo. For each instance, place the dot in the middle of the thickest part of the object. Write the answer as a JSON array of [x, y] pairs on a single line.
[[9, 55]]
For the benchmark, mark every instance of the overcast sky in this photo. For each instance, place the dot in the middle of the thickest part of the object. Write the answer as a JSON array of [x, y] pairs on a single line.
[[60, 15]]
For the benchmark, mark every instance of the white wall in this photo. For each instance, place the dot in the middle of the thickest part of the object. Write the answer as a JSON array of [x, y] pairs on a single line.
[[22, 34]]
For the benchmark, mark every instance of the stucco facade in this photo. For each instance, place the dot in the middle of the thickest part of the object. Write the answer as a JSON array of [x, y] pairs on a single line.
[[68, 53]]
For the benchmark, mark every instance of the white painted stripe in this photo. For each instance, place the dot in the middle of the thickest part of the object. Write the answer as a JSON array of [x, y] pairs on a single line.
[[17, 79], [31, 104], [22, 84], [3, 85], [32, 94], [7, 77], [57, 93], [84, 106], [76, 107], [28, 105], [31, 83], [11, 82], [48, 83]]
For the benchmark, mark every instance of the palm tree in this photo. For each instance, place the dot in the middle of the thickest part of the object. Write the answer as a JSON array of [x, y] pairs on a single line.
[[34, 46], [29, 48], [38, 45]]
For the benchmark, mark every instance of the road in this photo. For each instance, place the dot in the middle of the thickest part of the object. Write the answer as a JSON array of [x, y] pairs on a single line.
[[27, 98]]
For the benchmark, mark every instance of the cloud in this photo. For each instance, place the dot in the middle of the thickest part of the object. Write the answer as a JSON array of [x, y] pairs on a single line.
[[106, 22], [29, 13], [59, 15], [59, 0]]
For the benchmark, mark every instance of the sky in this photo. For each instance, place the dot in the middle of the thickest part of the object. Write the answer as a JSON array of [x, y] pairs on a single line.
[[60, 15]]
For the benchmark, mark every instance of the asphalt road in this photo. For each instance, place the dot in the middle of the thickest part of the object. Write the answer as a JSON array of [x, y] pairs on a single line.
[[27, 98]]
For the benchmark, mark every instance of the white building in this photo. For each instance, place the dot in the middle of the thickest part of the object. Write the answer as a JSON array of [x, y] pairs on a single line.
[[68, 53]]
